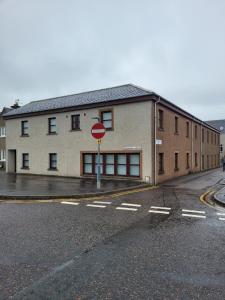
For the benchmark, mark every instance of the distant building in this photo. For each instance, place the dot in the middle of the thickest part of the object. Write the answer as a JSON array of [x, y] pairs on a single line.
[[148, 138], [2, 139], [220, 125]]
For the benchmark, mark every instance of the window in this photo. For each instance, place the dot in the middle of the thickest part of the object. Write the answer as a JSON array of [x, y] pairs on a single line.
[[196, 131], [107, 119], [203, 135], [203, 162], [52, 125], [187, 129], [75, 122], [2, 155], [161, 163], [24, 128], [211, 137], [207, 161], [196, 159], [215, 138], [221, 148], [161, 121], [176, 165], [52, 161], [113, 164], [25, 161], [207, 136], [2, 131], [187, 161], [176, 125]]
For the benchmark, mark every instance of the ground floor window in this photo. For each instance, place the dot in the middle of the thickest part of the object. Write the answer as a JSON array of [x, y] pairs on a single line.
[[161, 163], [2, 155], [176, 162], [25, 160], [113, 164], [52, 161]]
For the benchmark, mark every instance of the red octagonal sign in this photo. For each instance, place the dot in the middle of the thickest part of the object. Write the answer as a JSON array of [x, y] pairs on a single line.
[[98, 131]]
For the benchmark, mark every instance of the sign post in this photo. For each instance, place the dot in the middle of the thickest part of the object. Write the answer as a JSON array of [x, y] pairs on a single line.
[[98, 131]]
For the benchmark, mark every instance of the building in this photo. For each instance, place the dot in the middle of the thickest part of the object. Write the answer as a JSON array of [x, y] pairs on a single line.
[[148, 138], [220, 126], [2, 139]]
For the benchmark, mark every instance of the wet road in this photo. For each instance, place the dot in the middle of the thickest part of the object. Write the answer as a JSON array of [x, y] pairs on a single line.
[[157, 244]]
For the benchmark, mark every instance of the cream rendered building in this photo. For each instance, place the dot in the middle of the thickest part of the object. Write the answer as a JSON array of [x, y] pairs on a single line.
[[53, 136]]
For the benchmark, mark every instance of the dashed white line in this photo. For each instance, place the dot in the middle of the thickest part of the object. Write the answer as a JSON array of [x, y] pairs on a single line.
[[221, 214], [131, 204], [95, 205], [126, 208], [161, 207], [71, 203], [222, 219], [193, 216], [102, 202], [159, 212], [194, 211]]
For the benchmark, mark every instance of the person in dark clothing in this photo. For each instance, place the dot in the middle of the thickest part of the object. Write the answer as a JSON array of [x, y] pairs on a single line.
[[223, 163]]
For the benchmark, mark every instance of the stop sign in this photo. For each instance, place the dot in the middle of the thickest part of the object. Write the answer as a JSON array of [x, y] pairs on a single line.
[[98, 131]]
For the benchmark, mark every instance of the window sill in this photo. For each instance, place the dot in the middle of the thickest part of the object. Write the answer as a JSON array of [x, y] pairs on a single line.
[[176, 133], [25, 168], [52, 169], [51, 133], [75, 130], [24, 135], [109, 129], [161, 129]]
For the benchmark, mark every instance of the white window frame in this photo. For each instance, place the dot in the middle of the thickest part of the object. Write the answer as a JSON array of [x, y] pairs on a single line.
[[2, 155], [2, 132]]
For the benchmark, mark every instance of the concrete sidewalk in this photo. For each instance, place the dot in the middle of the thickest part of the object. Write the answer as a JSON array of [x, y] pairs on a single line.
[[17, 186]]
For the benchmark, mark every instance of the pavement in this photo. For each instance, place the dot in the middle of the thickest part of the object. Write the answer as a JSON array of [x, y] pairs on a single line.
[[32, 186], [154, 244]]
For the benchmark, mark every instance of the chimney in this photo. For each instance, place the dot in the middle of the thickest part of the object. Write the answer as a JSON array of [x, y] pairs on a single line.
[[16, 104]]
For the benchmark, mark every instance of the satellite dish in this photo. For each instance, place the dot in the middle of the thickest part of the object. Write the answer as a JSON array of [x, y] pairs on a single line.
[[221, 128]]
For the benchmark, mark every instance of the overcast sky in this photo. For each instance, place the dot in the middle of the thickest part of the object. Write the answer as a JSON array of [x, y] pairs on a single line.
[[174, 47]]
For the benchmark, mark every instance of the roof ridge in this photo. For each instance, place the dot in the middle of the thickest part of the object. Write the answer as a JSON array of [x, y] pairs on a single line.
[[91, 91]]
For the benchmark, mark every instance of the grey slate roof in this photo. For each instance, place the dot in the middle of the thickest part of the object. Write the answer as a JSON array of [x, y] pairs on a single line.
[[218, 124], [97, 96]]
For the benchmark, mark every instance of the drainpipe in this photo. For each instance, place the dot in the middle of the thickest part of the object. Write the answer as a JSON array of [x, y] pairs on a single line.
[[201, 148], [192, 146], [155, 129]]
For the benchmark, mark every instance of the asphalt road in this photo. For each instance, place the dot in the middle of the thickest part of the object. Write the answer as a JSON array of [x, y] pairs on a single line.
[[155, 249]]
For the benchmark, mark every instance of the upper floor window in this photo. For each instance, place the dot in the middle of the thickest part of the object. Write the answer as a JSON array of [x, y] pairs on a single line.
[[176, 125], [107, 119], [160, 118], [207, 136], [187, 129], [24, 128], [75, 122], [196, 159], [2, 131], [25, 160], [52, 125], [196, 131], [52, 161]]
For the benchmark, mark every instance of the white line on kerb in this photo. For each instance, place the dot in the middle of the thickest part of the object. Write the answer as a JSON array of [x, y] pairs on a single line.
[[193, 216], [71, 203], [131, 204], [159, 212], [222, 219], [94, 205], [102, 202], [221, 214], [126, 208], [159, 207], [194, 211]]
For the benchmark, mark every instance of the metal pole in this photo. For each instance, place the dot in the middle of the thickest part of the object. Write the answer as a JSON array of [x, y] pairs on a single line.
[[98, 167]]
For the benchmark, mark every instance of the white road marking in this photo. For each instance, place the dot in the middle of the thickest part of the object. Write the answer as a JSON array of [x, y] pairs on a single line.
[[159, 212], [222, 219], [71, 203], [193, 216], [159, 207], [126, 208], [194, 211], [221, 214], [131, 204], [95, 205], [102, 202]]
